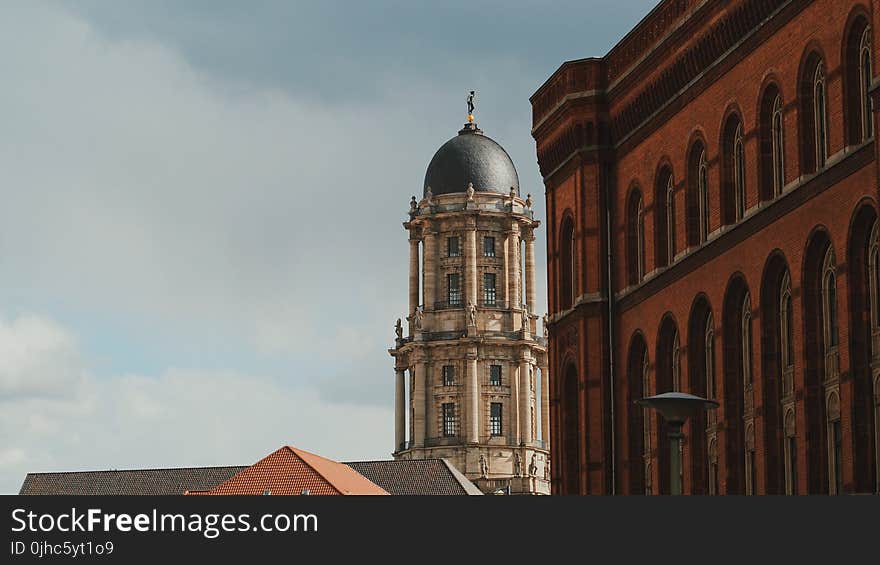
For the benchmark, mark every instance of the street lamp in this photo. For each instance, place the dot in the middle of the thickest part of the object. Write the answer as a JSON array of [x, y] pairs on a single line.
[[676, 407]]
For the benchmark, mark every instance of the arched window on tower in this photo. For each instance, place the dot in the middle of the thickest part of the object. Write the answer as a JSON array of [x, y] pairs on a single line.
[[865, 78], [829, 308], [567, 267], [635, 244], [670, 220], [704, 197], [739, 156], [746, 345], [778, 143], [786, 325], [820, 116], [697, 196]]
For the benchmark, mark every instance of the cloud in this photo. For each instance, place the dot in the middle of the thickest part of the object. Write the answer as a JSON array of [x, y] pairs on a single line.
[[177, 418]]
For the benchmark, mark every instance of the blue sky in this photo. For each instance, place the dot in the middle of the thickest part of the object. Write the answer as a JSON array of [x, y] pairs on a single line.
[[201, 250]]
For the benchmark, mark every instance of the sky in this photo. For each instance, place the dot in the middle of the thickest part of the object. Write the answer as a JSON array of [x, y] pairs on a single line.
[[201, 203]]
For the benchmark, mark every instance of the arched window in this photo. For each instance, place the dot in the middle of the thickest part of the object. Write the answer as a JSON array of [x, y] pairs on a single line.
[[710, 359], [865, 77], [786, 325], [664, 218], [739, 156], [733, 170], [635, 244], [874, 287], [670, 220], [567, 267], [820, 117], [829, 306], [704, 197], [778, 145], [746, 346]]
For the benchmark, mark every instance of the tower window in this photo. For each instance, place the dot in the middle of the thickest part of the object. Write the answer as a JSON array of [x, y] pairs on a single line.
[[453, 246], [448, 419], [448, 375], [495, 419], [453, 289], [495, 375], [489, 292], [488, 246]]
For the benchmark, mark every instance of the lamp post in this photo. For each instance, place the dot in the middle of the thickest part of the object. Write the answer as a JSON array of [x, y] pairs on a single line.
[[676, 407]]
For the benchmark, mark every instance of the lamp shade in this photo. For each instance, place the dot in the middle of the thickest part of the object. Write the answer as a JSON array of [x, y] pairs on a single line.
[[676, 407]]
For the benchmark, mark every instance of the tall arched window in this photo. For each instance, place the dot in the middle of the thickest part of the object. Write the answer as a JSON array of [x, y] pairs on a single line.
[[820, 116], [733, 170], [829, 306], [670, 220], [786, 325], [865, 78], [676, 363], [566, 265], [697, 196], [778, 146], [635, 244], [711, 387], [739, 156], [746, 344], [857, 78]]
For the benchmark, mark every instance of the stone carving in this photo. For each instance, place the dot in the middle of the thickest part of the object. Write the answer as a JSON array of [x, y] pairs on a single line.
[[413, 205], [429, 197], [484, 466], [417, 318], [517, 464], [547, 469], [512, 195], [398, 329], [533, 465], [472, 314], [525, 318], [529, 201], [470, 192], [545, 322]]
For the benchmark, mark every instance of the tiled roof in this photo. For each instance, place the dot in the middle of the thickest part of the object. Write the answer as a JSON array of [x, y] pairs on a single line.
[[403, 477], [293, 471], [133, 481], [416, 477]]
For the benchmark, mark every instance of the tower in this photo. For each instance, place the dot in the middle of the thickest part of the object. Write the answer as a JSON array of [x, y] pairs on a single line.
[[471, 369]]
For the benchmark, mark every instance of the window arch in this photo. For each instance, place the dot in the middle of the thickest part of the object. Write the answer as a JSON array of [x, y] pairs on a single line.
[[829, 299], [820, 114], [746, 340], [786, 323], [772, 143], [664, 217], [567, 264], [857, 78], [697, 195], [733, 177], [812, 114], [635, 244]]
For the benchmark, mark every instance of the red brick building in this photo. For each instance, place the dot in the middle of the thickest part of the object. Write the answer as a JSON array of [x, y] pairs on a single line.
[[711, 191]]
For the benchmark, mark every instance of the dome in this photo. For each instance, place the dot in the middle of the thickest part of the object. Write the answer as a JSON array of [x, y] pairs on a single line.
[[471, 157]]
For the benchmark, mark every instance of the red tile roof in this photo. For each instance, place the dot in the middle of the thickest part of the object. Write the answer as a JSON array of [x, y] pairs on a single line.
[[290, 471]]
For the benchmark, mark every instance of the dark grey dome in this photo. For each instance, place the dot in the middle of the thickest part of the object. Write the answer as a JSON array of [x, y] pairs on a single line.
[[471, 157]]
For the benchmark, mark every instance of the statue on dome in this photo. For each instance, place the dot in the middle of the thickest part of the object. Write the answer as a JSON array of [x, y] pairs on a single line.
[[470, 192], [398, 329], [470, 103]]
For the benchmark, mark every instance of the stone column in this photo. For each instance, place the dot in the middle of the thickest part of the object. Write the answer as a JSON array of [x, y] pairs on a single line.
[[505, 282], [529, 237], [545, 406], [525, 404], [472, 398], [514, 433], [470, 261], [399, 408], [430, 269], [514, 290], [413, 273], [418, 401]]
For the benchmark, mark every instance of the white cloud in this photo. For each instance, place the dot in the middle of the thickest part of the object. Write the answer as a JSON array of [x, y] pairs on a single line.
[[180, 417]]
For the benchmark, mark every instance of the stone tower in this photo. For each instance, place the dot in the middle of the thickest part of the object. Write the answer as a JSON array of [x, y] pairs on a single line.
[[469, 367]]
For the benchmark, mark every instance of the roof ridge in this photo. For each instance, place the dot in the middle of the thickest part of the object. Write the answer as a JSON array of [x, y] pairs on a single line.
[[295, 451], [32, 473]]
